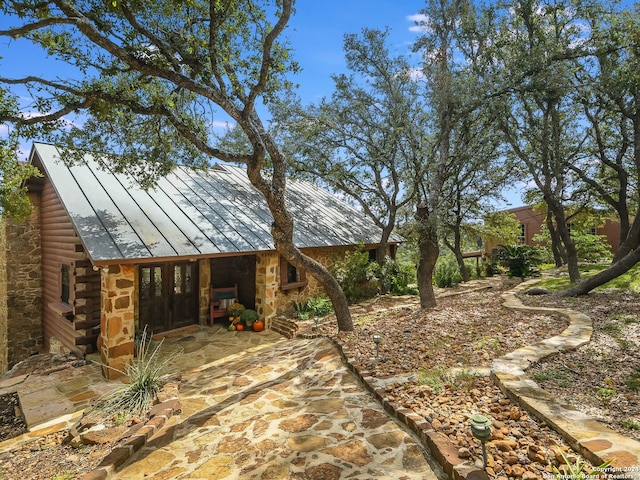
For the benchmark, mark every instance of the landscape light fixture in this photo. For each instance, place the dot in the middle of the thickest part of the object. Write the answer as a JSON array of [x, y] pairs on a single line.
[[377, 338], [316, 320], [481, 429]]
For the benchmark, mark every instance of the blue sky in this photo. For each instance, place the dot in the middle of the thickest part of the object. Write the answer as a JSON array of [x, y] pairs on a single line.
[[318, 28], [316, 32]]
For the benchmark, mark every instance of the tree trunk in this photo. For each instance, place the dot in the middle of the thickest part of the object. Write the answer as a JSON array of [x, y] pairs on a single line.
[[456, 249], [615, 270], [429, 250], [381, 250], [559, 254], [282, 231], [561, 227], [631, 242], [273, 190]]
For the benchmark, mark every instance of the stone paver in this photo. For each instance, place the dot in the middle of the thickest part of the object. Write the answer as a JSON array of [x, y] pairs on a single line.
[[252, 406], [289, 410]]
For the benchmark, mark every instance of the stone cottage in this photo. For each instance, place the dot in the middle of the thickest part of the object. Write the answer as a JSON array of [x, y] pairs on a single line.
[[100, 257]]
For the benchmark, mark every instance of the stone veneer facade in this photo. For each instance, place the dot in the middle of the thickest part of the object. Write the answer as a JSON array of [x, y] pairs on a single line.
[[117, 319], [267, 285], [326, 257], [204, 270], [21, 289], [4, 313]]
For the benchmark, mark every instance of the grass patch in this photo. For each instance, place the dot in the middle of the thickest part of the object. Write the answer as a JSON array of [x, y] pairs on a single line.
[[633, 382], [612, 328], [630, 424], [433, 378], [605, 393], [628, 281], [485, 342], [554, 375], [439, 378], [624, 318]]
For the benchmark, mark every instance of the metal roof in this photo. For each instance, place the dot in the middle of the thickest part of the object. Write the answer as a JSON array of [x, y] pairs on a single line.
[[192, 213]]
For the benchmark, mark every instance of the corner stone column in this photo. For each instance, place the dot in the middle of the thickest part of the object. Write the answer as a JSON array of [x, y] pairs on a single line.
[[4, 311], [204, 269], [117, 325], [267, 284]]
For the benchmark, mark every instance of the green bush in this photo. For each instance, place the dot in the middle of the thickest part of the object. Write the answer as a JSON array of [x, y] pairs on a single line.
[[314, 307], [395, 277], [519, 260], [447, 273], [357, 275], [592, 248], [319, 306]]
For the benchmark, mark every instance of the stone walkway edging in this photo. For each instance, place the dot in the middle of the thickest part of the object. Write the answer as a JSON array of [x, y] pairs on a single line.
[[440, 447], [138, 435], [587, 436]]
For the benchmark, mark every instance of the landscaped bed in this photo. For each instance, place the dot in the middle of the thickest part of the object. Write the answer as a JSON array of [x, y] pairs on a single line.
[[434, 353], [437, 349]]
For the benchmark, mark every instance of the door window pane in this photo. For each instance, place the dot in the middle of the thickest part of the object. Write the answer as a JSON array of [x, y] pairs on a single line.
[[187, 279], [157, 278], [177, 279], [145, 283]]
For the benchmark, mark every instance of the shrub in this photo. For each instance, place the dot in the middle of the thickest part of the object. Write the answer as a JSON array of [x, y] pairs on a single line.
[[395, 277], [592, 248], [136, 398], [300, 310], [319, 306], [446, 274], [520, 260], [315, 306], [357, 275]]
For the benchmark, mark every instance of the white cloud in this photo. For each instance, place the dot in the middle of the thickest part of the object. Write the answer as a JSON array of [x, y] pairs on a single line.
[[416, 74], [420, 23], [217, 124]]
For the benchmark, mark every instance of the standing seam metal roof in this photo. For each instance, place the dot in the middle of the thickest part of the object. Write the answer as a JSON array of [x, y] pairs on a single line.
[[192, 213]]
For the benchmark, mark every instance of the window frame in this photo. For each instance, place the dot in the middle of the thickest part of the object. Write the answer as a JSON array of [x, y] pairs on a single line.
[[522, 236], [65, 283], [301, 276]]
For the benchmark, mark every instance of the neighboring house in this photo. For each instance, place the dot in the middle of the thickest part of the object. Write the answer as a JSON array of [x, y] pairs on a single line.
[[101, 258], [531, 222]]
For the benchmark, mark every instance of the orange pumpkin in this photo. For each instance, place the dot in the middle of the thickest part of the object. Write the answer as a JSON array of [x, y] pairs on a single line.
[[239, 327], [258, 326]]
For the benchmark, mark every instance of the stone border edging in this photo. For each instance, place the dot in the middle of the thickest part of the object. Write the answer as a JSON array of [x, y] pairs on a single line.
[[138, 435], [438, 444], [584, 434], [593, 440]]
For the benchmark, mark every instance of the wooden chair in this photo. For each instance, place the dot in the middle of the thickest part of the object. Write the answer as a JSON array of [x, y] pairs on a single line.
[[220, 300]]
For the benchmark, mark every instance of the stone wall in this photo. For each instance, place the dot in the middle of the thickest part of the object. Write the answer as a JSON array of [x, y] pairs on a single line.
[[117, 320], [267, 285], [23, 275], [4, 347], [326, 257], [204, 270]]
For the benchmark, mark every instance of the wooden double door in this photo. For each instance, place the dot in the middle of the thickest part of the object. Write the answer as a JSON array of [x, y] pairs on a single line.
[[168, 295]]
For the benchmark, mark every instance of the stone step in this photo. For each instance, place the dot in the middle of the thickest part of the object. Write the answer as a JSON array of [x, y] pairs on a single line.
[[284, 327]]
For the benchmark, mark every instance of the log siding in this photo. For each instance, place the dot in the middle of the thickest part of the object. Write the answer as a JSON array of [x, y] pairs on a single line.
[[76, 324]]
